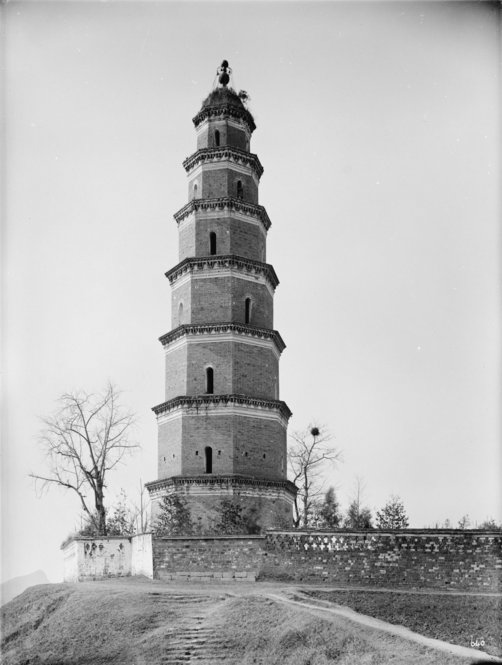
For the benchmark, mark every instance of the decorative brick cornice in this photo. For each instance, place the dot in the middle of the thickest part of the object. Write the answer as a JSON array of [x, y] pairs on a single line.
[[228, 480], [236, 155], [215, 328], [225, 110], [203, 401], [251, 266], [224, 203]]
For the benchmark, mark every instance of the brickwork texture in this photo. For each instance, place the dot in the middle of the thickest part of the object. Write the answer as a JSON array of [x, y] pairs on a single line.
[[243, 368], [240, 444], [214, 299], [463, 560], [233, 236]]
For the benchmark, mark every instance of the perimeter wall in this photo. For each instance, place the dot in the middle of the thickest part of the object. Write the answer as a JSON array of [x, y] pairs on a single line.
[[444, 559], [468, 560]]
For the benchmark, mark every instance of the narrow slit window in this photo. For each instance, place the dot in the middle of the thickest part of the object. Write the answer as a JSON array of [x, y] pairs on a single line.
[[240, 190], [208, 452], [247, 310], [212, 243], [180, 314], [209, 380], [195, 191], [216, 138]]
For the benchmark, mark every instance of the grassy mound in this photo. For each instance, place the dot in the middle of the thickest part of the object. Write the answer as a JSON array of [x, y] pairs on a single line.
[[61, 624], [140, 622], [457, 619], [259, 631]]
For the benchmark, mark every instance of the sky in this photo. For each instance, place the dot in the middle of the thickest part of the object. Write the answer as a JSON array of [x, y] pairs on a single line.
[[378, 126]]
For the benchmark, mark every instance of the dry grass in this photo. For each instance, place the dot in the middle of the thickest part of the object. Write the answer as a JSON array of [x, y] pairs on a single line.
[[262, 632], [457, 619], [138, 622], [62, 624]]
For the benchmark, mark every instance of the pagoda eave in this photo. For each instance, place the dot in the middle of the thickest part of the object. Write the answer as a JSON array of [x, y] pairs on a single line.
[[215, 328], [232, 154], [222, 479], [225, 111], [224, 203], [203, 401], [191, 264]]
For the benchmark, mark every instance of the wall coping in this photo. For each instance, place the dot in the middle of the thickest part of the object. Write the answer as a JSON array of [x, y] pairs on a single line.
[[295, 532], [76, 538], [404, 532], [237, 536]]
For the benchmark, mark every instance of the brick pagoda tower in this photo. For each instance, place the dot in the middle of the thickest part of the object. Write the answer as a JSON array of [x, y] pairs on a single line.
[[222, 428]]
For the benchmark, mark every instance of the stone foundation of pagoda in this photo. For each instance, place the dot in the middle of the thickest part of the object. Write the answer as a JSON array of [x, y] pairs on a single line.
[[265, 503]]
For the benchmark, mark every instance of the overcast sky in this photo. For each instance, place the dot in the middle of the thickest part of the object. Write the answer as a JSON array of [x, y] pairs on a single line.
[[378, 125]]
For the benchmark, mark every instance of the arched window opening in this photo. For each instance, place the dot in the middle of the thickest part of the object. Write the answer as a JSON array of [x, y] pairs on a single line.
[[180, 314], [212, 243], [209, 380], [217, 138], [240, 190], [247, 310], [208, 451], [195, 191]]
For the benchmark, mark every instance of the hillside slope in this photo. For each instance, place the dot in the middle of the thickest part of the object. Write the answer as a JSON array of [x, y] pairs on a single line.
[[12, 588], [148, 623]]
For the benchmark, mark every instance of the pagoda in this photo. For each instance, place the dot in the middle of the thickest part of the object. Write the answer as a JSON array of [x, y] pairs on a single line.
[[222, 429]]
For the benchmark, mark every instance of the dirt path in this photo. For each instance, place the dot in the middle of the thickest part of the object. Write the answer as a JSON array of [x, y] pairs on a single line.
[[195, 638], [324, 608]]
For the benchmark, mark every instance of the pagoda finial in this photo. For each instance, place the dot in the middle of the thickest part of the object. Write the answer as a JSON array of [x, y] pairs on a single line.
[[223, 72]]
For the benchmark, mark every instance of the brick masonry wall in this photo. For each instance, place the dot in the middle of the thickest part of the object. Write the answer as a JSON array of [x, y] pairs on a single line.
[[231, 557], [181, 295], [233, 236], [217, 299], [262, 507], [176, 372], [463, 560], [240, 368], [411, 558], [238, 442], [237, 137], [169, 448], [217, 182], [229, 135]]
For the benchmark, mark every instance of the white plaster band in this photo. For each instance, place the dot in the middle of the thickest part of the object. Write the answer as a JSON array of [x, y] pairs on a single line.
[[223, 164], [214, 273], [238, 410], [221, 213], [224, 489]]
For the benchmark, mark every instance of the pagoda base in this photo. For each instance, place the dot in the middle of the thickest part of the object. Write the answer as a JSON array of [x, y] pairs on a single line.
[[265, 504]]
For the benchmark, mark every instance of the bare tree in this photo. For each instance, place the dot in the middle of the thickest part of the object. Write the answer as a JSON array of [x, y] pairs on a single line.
[[310, 452], [85, 438]]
